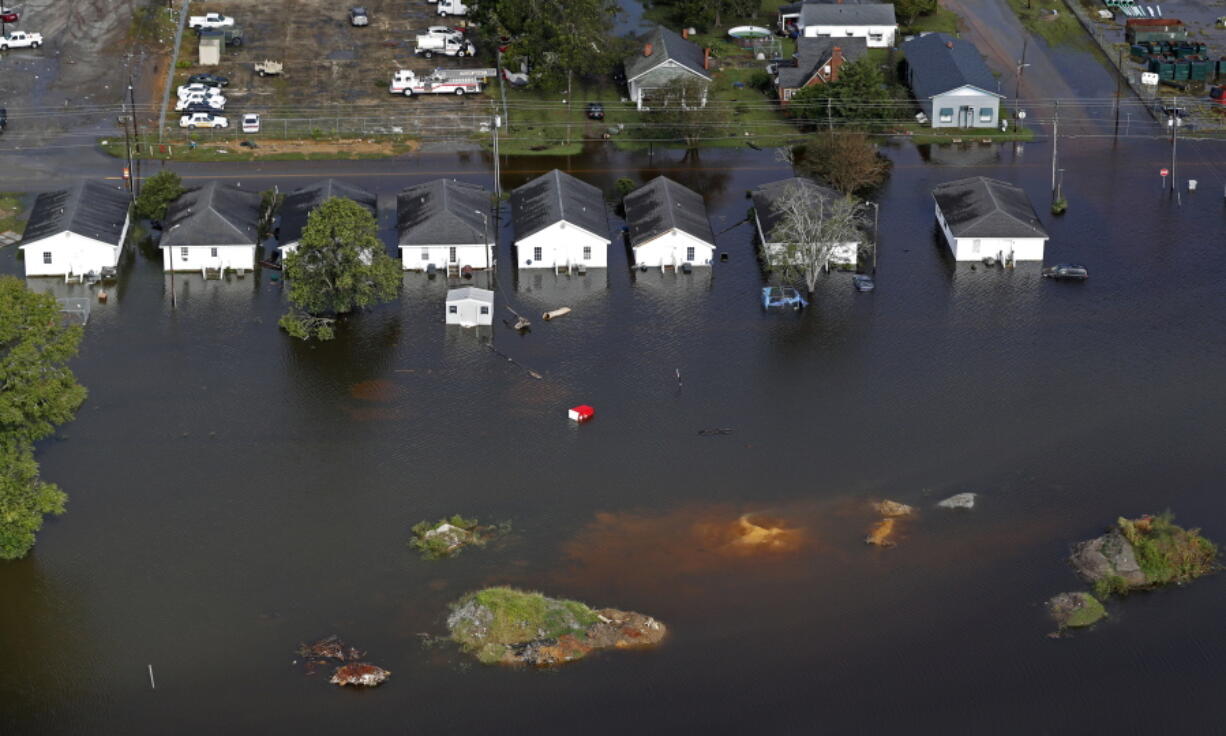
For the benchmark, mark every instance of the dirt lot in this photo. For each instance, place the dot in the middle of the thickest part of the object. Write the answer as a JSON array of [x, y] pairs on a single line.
[[336, 75]]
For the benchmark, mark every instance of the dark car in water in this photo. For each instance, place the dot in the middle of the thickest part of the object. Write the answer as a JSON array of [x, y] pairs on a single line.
[[595, 111], [212, 80], [1066, 272]]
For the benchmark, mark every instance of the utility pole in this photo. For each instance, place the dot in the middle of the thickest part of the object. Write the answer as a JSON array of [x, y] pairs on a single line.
[[1021, 65], [1055, 152], [497, 160], [127, 144], [136, 136], [1173, 121], [1119, 77], [829, 118]]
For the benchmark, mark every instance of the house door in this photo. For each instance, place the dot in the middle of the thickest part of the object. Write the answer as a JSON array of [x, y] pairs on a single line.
[[451, 254]]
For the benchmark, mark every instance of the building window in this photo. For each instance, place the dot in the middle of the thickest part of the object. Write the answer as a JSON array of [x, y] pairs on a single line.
[[425, 254], [985, 114], [947, 115], [875, 37], [451, 254], [689, 254], [485, 310], [183, 253], [536, 254], [587, 252], [212, 252], [47, 257], [453, 309]]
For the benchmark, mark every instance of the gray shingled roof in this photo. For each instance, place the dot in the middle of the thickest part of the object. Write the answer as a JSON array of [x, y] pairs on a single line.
[[299, 203], [812, 53], [939, 62], [443, 212], [766, 197], [822, 14], [470, 292], [795, 8], [91, 209], [557, 196], [980, 207], [214, 214], [661, 205], [665, 45]]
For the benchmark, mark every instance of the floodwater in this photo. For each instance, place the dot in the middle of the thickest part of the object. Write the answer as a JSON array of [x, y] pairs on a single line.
[[234, 492]]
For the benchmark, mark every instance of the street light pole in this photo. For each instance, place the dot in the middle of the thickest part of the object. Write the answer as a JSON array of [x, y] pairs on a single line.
[[876, 237], [489, 258]]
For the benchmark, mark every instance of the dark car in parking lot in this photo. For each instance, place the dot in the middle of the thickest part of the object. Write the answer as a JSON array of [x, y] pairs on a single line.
[[1066, 272], [595, 111], [212, 80], [4, 119]]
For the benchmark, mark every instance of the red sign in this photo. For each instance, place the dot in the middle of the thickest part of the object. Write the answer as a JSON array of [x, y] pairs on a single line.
[[1164, 172]]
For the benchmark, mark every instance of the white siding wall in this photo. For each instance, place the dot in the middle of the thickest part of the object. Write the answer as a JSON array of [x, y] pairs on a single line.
[[475, 255], [843, 254], [671, 249], [870, 34], [71, 253], [965, 107], [468, 313], [201, 256], [562, 243], [976, 249]]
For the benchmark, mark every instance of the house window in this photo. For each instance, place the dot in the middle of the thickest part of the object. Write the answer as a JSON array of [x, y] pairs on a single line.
[[183, 253], [689, 254], [947, 115], [985, 114], [451, 254], [485, 310], [212, 252], [453, 309], [875, 37], [47, 257], [587, 252], [425, 254], [536, 254]]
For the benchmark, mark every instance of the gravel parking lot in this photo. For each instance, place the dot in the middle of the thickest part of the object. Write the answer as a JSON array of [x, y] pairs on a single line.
[[336, 75]]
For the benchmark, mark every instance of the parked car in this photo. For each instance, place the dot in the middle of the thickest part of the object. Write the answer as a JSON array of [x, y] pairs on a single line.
[[268, 68], [1218, 94], [1066, 272], [21, 40], [358, 16], [595, 111], [8, 15], [192, 107], [203, 120], [210, 20], [444, 31], [209, 79], [197, 88], [216, 102], [251, 122], [4, 119]]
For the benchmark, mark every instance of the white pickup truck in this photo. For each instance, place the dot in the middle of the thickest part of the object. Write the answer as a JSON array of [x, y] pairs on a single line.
[[210, 20], [21, 40], [430, 44], [454, 7], [406, 83]]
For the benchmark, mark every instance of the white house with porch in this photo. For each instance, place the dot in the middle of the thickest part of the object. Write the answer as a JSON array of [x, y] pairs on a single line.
[[76, 231], [664, 65], [560, 223], [988, 218], [215, 227]]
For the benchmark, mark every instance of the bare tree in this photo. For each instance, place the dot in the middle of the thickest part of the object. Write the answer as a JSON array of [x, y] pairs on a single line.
[[848, 161], [811, 226], [681, 112]]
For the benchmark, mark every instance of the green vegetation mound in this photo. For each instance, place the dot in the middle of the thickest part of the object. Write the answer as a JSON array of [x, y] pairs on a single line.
[[1144, 553], [1076, 610], [490, 622]]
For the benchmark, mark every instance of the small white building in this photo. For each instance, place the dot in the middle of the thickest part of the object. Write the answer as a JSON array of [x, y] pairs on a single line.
[[76, 231], [299, 204], [875, 23], [766, 215], [446, 224], [668, 225], [560, 223], [211, 45], [213, 227], [469, 306], [987, 218]]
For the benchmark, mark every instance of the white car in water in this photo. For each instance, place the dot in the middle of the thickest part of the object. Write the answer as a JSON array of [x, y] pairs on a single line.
[[251, 123], [203, 120]]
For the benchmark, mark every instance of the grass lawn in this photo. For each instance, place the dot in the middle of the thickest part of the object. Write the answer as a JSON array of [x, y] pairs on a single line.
[[11, 209], [943, 20], [540, 124], [921, 134], [1060, 29], [304, 149]]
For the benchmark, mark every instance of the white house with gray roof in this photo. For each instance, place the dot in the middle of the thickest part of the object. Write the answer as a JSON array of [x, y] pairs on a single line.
[[76, 231], [215, 226], [668, 225], [951, 82], [299, 204], [469, 306], [560, 222], [874, 22], [984, 218], [767, 214], [446, 224], [664, 63]]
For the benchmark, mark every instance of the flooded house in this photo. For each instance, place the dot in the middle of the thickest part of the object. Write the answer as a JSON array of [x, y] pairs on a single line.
[[668, 226], [76, 231], [298, 205], [988, 218], [560, 223], [767, 215], [212, 228], [444, 224], [469, 306]]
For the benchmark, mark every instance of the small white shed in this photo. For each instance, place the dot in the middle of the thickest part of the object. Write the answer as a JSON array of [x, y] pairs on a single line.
[[211, 43], [469, 306]]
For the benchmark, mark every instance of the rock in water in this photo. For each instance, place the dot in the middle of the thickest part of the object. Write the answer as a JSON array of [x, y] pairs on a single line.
[[451, 537], [359, 674], [1074, 610], [959, 501], [892, 508], [1108, 556], [881, 534]]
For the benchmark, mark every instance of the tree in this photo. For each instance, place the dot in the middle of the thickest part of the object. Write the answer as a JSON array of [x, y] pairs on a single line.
[[848, 161], [557, 38], [682, 112], [340, 265], [811, 225], [909, 10], [156, 194], [37, 392], [859, 94]]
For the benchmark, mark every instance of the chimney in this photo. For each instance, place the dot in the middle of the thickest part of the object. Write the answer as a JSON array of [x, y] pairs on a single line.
[[836, 56], [646, 49], [706, 58]]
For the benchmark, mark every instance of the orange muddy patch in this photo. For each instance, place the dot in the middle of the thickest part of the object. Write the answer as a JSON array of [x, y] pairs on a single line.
[[750, 538], [881, 533], [378, 389]]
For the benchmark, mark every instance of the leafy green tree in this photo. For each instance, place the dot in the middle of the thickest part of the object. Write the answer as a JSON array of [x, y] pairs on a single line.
[[37, 392], [707, 13], [557, 38], [860, 94], [909, 10], [340, 265], [156, 194]]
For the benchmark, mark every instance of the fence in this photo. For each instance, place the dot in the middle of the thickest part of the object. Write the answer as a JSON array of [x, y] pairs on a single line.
[[414, 124]]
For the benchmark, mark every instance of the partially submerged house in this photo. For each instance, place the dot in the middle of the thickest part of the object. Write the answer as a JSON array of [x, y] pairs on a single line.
[[469, 306], [444, 223], [767, 214], [817, 61], [668, 225], [951, 82], [76, 231], [299, 204], [664, 65], [560, 222], [874, 22], [988, 218], [214, 227]]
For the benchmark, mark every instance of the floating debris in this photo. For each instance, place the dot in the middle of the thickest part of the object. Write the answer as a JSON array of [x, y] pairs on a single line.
[[959, 501], [880, 534], [554, 313], [360, 674], [892, 508], [715, 432], [330, 647]]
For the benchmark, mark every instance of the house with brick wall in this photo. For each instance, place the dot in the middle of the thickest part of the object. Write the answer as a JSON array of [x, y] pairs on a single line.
[[817, 61]]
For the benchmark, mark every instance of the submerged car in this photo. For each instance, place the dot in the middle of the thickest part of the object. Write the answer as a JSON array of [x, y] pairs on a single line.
[[782, 297], [1066, 272], [863, 282]]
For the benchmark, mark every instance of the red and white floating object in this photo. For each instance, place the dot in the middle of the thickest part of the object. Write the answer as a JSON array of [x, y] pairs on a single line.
[[581, 413]]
